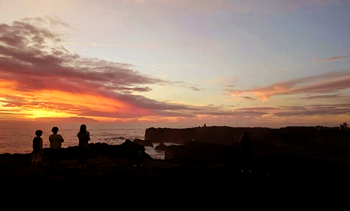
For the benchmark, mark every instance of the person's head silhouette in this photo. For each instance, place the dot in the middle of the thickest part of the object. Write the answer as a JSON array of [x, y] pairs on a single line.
[[54, 130], [82, 128], [38, 133]]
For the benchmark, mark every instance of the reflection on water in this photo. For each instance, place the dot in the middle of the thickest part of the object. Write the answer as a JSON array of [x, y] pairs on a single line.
[[18, 137]]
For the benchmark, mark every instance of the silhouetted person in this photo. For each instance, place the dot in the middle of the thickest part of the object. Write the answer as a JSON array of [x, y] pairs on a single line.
[[137, 158], [55, 147], [84, 138], [37, 150], [246, 152]]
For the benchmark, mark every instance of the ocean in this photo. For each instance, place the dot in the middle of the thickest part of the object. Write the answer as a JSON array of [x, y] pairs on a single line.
[[17, 137]]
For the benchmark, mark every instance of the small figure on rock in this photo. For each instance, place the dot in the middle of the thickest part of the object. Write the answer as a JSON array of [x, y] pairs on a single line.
[[246, 152]]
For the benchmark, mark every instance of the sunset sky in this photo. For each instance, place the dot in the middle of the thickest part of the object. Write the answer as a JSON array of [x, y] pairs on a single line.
[[266, 63]]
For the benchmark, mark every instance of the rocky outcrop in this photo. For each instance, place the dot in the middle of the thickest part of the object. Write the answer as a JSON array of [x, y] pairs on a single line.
[[143, 142], [161, 135], [125, 150]]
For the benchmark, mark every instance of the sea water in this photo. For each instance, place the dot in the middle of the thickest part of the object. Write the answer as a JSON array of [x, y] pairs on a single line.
[[17, 137]]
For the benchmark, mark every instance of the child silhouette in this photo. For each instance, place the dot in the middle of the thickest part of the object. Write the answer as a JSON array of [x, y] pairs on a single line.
[[37, 150]]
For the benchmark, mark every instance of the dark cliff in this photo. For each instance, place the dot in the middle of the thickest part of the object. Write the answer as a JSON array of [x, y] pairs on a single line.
[[230, 135], [161, 135], [220, 135], [217, 142]]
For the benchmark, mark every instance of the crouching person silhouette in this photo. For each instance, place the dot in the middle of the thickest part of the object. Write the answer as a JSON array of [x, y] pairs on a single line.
[[246, 156]]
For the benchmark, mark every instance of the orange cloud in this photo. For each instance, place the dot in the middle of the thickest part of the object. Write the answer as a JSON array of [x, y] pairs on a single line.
[[264, 97]]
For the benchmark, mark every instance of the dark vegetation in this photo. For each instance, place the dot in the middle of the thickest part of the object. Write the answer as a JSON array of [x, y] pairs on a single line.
[[294, 168]]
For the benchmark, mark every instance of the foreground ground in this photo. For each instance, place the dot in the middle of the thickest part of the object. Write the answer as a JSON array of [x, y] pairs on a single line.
[[112, 183]]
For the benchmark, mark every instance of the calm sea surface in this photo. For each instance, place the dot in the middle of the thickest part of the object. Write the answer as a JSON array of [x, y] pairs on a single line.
[[18, 137]]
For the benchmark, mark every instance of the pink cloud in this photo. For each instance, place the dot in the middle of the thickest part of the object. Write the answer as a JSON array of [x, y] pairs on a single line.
[[319, 84], [331, 59], [280, 111]]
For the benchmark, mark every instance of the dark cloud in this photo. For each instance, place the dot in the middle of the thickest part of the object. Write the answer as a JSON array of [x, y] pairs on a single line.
[[315, 110], [282, 111], [250, 109], [248, 98], [229, 86], [287, 111], [322, 97], [195, 88], [324, 86], [184, 85]]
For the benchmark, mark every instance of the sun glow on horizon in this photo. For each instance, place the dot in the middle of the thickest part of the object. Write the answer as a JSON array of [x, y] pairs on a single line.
[[44, 113], [60, 104]]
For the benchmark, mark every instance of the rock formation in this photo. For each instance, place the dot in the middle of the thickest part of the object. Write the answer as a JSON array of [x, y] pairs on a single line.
[[125, 150], [161, 135], [143, 142]]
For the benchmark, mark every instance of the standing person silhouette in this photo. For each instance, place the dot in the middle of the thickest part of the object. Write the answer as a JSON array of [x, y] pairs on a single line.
[[246, 152], [84, 138], [55, 148], [37, 150]]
